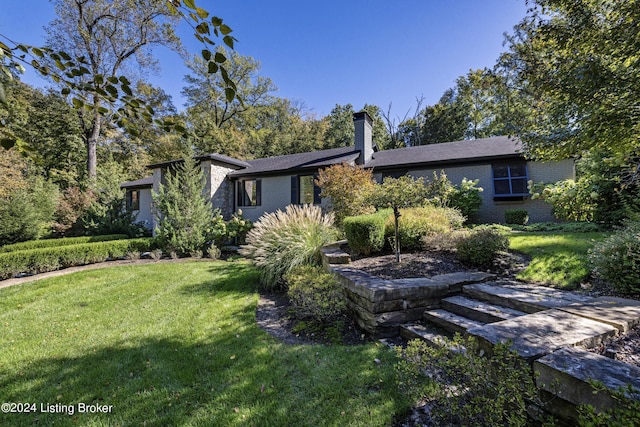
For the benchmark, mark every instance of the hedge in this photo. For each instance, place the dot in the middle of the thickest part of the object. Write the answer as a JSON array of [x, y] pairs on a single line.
[[66, 241], [365, 233], [40, 260]]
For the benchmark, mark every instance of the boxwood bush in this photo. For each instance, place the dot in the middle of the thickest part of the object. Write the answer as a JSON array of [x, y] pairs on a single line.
[[516, 216], [50, 243], [480, 247], [315, 294], [40, 260], [366, 233]]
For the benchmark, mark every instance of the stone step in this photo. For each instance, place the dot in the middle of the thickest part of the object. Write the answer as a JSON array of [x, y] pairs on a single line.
[[536, 335], [622, 313], [431, 334], [526, 298], [449, 321], [478, 310]]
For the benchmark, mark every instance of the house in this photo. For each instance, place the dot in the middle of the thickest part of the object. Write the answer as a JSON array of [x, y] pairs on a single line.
[[265, 185]]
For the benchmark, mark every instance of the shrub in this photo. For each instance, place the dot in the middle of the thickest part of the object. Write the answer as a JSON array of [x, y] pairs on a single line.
[[347, 187], [516, 216], [416, 223], [466, 198], [480, 247], [447, 241], [40, 260], [314, 294], [237, 228], [281, 241], [156, 254], [567, 227], [214, 252], [617, 259], [71, 208], [365, 233], [466, 388], [186, 220], [50, 243]]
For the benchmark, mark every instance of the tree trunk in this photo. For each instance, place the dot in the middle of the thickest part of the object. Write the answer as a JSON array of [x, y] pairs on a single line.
[[396, 216], [92, 144]]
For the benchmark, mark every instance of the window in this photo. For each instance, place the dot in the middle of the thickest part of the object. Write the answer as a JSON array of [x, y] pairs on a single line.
[[510, 179], [249, 192], [304, 190], [133, 200]]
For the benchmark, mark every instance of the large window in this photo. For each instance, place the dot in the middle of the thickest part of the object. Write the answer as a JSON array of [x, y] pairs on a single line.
[[510, 180], [304, 191], [133, 200], [249, 192]]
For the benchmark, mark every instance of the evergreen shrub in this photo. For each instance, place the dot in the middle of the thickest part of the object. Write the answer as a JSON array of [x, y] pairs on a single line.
[[366, 233], [314, 294], [480, 247]]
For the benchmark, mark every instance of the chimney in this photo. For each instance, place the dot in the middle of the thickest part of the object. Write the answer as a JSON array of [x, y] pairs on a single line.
[[363, 137]]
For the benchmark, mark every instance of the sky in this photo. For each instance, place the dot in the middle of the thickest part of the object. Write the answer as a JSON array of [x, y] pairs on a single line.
[[386, 53]]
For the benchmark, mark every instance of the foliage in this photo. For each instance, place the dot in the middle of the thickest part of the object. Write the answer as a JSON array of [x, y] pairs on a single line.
[[444, 121], [366, 233], [52, 243], [447, 241], [399, 193], [624, 413], [468, 387], [237, 228], [72, 207], [107, 213], [190, 327], [568, 227], [280, 241], [571, 200], [27, 214], [516, 216], [314, 294], [617, 259], [558, 258], [466, 198], [186, 221], [577, 62], [417, 223], [340, 131], [348, 188], [40, 260], [480, 247]]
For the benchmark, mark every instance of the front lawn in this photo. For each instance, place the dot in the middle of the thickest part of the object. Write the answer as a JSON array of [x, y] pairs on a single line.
[[558, 259], [177, 344]]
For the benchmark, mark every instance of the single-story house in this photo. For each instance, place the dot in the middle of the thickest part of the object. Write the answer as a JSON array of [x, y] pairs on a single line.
[[265, 185]]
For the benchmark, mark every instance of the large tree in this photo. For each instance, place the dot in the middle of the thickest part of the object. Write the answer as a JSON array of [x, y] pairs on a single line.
[[445, 121], [115, 37], [578, 66]]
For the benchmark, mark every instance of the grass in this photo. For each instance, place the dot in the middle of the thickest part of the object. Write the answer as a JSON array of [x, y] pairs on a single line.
[[558, 259], [177, 344]]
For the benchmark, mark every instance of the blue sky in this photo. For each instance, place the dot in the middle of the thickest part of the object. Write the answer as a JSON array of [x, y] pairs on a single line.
[[333, 52]]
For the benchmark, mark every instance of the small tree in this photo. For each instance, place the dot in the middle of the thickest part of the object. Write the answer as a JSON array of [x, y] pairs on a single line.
[[399, 193], [349, 188], [185, 213]]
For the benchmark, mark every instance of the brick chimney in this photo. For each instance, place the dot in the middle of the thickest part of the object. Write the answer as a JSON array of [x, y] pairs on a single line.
[[363, 137]]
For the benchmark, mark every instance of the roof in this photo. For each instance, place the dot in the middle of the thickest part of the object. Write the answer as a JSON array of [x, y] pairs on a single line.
[[214, 157], [139, 183], [448, 152], [298, 162]]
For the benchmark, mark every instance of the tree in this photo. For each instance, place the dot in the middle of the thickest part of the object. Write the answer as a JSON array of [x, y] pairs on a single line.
[[109, 89], [445, 121], [184, 213], [207, 104], [348, 188], [577, 68], [340, 131], [399, 193]]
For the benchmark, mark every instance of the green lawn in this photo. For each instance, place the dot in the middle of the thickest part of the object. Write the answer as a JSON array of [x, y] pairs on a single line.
[[177, 344], [558, 258]]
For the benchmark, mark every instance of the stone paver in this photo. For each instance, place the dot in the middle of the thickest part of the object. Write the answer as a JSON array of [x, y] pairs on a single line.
[[566, 374], [622, 313], [479, 310], [539, 334]]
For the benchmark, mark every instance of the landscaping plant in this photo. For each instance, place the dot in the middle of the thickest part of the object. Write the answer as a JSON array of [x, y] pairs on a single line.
[[416, 223], [617, 259], [516, 216], [366, 233], [286, 239], [480, 247], [314, 294]]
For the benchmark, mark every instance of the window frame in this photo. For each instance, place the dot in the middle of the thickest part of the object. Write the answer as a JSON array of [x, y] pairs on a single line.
[[510, 178], [243, 199], [296, 189], [133, 203]]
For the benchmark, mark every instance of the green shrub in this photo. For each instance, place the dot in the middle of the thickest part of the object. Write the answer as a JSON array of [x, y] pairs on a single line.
[[314, 294], [625, 412], [416, 223], [466, 198], [447, 241], [567, 227], [480, 247], [366, 233], [50, 243], [617, 259], [281, 241], [516, 216], [237, 228], [40, 260], [466, 388]]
